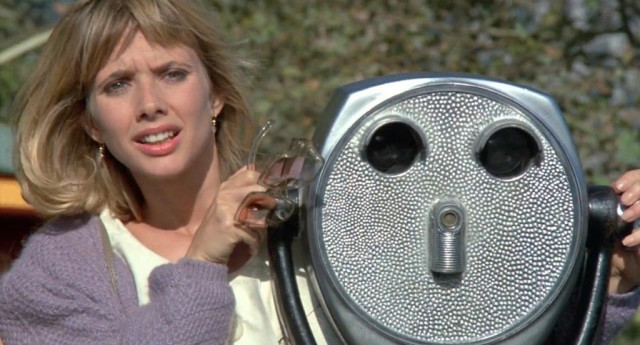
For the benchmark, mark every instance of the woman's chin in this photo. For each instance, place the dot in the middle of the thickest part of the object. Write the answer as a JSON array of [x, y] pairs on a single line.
[[161, 174]]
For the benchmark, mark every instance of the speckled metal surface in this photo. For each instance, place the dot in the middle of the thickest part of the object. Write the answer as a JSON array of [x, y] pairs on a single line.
[[374, 227]]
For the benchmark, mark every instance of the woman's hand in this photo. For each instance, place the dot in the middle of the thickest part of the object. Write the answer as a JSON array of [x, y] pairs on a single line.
[[625, 263], [220, 239], [625, 269]]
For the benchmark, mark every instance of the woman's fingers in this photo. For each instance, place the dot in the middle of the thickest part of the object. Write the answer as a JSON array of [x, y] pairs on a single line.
[[254, 209], [628, 179], [628, 187], [631, 213], [248, 246], [632, 239], [625, 261], [625, 271], [631, 195], [251, 237], [220, 238], [242, 177], [236, 196]]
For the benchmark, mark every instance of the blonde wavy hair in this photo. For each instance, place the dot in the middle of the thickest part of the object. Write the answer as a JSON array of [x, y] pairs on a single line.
[[56, 162]]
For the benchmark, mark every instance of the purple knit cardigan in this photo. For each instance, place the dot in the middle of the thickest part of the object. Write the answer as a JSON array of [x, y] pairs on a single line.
[[59, 292]]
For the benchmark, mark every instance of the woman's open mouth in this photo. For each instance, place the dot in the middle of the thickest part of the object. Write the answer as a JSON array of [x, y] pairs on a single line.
[[158, 144], [158, 137]]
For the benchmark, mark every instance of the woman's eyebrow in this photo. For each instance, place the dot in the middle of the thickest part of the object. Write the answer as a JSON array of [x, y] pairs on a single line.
[[127, 73], [168, 65]]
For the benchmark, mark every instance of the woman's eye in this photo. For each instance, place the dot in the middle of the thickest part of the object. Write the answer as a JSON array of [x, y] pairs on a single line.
[[115, 87], [176, 75]]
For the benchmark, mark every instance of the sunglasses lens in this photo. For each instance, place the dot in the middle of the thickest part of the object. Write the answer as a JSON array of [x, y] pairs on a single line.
[[299, 165], [283, 172], [312, 166]]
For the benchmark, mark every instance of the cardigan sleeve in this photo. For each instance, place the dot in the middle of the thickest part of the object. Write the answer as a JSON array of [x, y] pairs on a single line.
[[58, 292], [620, 309]]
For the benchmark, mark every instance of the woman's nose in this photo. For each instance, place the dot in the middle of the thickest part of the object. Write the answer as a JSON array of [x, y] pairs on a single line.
[[152, 101]]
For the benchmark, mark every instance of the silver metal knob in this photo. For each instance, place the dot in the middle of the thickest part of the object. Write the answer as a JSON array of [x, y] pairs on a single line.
[[447, 253]]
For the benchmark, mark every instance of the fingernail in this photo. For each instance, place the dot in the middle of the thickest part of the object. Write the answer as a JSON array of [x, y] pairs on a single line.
[[627, 242], [620, 186]]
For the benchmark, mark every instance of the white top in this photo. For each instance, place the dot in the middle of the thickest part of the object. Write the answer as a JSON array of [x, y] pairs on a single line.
[[256, 319]]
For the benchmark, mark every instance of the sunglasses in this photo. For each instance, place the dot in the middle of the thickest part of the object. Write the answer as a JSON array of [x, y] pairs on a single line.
[[292, 169]]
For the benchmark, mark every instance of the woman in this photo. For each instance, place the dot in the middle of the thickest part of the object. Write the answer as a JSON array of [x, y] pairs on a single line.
[[133, 114], [128, 139]]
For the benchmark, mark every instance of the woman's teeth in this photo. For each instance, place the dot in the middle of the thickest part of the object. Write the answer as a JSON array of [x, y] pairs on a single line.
[[158, 137]]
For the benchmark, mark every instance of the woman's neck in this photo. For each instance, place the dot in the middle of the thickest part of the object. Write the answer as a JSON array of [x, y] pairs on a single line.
[[181, 202]]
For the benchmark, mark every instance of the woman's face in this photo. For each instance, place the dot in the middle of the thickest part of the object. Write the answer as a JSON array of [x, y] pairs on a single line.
[[152, 107]]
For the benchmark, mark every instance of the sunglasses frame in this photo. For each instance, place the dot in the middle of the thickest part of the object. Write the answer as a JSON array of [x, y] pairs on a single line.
[[272, 207]]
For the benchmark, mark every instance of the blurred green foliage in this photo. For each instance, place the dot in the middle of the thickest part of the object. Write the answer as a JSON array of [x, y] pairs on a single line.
[[306, 49], [303, 50], [19, 19]]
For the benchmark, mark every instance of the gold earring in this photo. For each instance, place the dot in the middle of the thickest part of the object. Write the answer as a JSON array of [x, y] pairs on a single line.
[[100, 152], [213, 125]]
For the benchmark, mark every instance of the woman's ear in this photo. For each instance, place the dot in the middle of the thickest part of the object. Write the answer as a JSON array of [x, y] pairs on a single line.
[[90, 128], [216, 106]]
